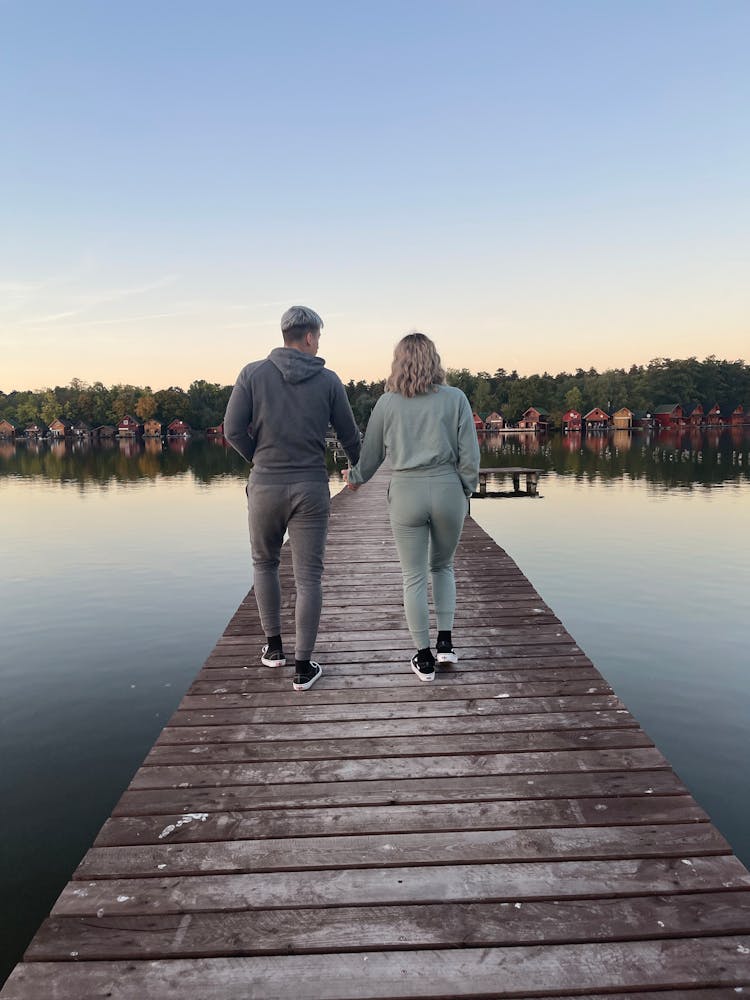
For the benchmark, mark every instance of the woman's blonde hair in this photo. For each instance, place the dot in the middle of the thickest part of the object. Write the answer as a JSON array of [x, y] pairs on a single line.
[[416, 366]]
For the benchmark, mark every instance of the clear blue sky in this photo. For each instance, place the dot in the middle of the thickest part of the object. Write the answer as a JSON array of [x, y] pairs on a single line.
[[538, 185]]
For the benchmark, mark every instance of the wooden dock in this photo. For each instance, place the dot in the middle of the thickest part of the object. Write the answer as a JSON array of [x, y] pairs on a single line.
[[507, 831]]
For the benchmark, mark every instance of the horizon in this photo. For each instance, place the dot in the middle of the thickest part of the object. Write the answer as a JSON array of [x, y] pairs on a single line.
[[524, 183]]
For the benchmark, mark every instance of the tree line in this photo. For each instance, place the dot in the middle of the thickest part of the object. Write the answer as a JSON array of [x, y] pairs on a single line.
[[641, 387], [201, 405]]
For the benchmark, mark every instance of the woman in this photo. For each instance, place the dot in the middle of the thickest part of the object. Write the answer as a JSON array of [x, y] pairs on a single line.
[[427, 431]]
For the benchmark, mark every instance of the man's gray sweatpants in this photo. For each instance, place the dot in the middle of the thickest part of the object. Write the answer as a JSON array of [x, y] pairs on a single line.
[[303, 509]]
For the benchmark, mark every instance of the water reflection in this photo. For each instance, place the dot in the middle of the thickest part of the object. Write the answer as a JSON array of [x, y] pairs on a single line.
[[670, 457], [85, 462]]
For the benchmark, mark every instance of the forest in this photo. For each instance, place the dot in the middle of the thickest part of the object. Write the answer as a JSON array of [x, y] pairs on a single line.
[[202, 404]]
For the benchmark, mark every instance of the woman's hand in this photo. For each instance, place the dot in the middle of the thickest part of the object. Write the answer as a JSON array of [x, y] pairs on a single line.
[[352, 486]]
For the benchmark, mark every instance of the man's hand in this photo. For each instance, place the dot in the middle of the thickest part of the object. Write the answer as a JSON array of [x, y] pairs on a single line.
[[352, 486]]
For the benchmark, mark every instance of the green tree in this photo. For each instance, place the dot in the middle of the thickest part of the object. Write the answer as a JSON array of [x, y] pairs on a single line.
[[462, 379], [123, 400], [28, 411], [172, 404], [484, 400], [206, 404], [574, 399], [49, 408], [518, 401], [145, 408]]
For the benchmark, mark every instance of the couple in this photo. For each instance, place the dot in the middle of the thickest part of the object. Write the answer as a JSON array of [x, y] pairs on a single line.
[[277, 418]]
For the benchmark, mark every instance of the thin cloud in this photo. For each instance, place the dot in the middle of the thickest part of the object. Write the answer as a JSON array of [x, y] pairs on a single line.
[[132, 319], [102, 298], [15, 293], [247, 325], [121, 320]]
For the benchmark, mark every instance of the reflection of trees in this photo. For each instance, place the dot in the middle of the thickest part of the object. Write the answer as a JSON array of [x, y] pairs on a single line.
[[149, 464], [670, 457], [123, 461]]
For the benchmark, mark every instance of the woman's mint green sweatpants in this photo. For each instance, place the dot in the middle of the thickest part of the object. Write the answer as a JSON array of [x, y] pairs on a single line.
[[427, 510]]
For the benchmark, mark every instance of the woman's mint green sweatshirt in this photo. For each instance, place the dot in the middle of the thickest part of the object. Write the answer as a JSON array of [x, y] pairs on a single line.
[[421, 433]]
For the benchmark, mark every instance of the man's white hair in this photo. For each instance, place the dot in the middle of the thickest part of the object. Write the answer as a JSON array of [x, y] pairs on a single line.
[[300, 316]]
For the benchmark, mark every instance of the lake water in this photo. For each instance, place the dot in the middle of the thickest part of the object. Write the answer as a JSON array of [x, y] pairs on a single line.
[[122, 565]]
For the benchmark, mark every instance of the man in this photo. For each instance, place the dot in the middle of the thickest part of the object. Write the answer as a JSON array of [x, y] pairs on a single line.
[[277, 418]]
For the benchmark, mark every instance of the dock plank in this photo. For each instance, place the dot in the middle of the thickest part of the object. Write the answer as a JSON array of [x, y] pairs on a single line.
[[405, 975], [337, 821], [427, 750], [683, 842], [306, 795], [383, 883], [264, 932]]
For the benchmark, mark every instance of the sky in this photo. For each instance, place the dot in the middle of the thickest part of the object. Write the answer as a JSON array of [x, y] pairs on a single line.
[[536, 184]]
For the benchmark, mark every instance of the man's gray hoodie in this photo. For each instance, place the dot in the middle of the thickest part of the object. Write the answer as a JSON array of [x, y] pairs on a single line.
[[279, 412]]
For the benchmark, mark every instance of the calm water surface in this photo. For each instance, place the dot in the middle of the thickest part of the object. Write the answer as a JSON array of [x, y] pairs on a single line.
[[122, 566]]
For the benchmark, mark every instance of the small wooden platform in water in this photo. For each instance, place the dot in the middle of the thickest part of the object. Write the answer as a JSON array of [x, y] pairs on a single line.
[[507, 831], [531, 477]]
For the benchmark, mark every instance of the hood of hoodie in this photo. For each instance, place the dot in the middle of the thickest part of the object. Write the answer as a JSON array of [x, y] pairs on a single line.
[[294, 365]]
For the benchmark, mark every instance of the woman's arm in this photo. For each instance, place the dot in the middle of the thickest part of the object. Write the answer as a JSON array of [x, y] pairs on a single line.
[[468, 448], [373, 447]]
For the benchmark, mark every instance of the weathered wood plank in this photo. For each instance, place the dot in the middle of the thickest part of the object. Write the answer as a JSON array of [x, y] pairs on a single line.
[[511, 882], [306, 795], [343, 677], [390, 660], [537, 634], [432, 973], [424, 754], [520, 715], [419, 818], [169, 766], [272, 687], [278, 932], [508, 699], [228, 708], [392, 850]]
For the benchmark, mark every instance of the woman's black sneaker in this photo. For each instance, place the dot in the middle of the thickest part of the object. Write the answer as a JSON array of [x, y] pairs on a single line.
[[445, 653], [272, 657], [306, 676], [424, 669]]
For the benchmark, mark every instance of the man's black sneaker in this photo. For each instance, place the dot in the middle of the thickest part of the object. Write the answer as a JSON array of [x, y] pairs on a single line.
[[445, 653], [424, 670], [272, 657], [305, 679]]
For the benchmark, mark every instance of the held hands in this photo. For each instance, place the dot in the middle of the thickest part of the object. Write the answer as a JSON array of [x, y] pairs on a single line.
[[352, 486]]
